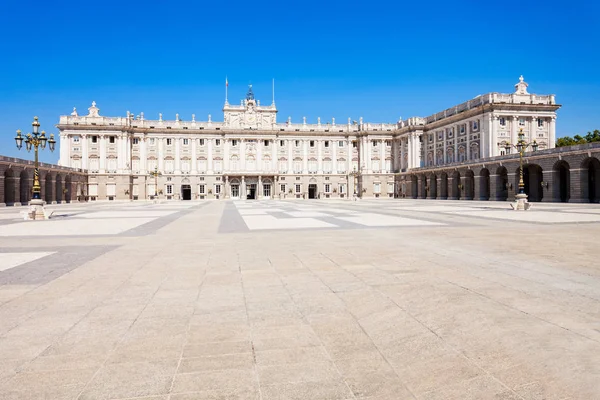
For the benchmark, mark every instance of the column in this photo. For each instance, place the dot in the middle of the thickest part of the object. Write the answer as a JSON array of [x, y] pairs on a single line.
[[243, 188], [493, 135], [242, 154], [445, 145], [319, 156], [468, 141], [290, 156], [368, 155], [259, 195], [477, 186], [305, 157], [84, 151], [227, 188], [432, 182], [494, 187], [226, 155], [177, 155], [194, 166], [209, 161], [274, 160], [259, 155], [402, 153], [334, 168], [120, 153], [552, 132], [143, 156], [435, 135], [350, 152], [455, 143], [102, 166], [514, 130], [160, 141]]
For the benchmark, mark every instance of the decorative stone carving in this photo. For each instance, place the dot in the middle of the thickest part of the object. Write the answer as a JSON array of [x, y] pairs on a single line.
[[93, 110], [74, 113], [521, 87]]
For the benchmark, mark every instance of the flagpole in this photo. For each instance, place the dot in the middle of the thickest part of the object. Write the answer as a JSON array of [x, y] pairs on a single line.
[[273, 91], [226, 87]]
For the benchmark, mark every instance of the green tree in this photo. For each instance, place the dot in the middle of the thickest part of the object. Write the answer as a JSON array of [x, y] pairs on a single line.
[[591, 137]]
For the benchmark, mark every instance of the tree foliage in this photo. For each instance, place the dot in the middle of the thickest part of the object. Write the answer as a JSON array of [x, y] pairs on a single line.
[[578, 139]]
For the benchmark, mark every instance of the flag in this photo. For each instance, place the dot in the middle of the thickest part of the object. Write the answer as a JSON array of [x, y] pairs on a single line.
[[226, 83]]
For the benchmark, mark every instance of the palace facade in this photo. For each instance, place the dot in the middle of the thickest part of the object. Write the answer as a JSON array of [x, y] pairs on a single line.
[[250, 155]]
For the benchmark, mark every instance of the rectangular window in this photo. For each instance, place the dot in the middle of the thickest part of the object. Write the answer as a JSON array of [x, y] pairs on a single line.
[[169, 141], [342, 188], [312, 143], [201, 142], [266, 142], [390, 187], [327, 143], [388, 143], [341, 143], [377, 187], [354, 144], [186, 142], [94, 139], [540, 123], [217, 142], [75, 139], [217, 189], [234, 142], [462, 129], [282, 188], [502, 121], [521, 121], [201, 189], [136, 140], [297, 143], [282, 143], [374, 143], [169, 189], [475, 125], [298, 188], [151, 141], [327, 188], [111, 139]]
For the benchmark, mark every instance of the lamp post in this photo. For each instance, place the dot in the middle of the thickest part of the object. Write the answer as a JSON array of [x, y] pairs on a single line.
[[155, 174], [355, 175], [35, 140], [521, 146]]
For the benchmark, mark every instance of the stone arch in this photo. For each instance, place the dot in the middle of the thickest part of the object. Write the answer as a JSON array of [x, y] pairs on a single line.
[[414, 186], [484, 184], [469, 188], [502, 184], [456, 186], [561, 179], [25, 187], [58, 188], [532, 178], [422, 187], [9, 186], [68, 188], [48, 187], [432, 185], [590, 180], [443, 186]]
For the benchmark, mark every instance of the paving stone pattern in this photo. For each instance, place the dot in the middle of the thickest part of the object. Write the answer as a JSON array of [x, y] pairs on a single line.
[[379, 300]]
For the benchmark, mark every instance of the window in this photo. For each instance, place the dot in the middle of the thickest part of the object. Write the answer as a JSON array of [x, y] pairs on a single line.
[[327, 143], [354, 144], [297, 166], [151, 141], [376, 165], [282, 143], [342, 188], [169, 141], [267, 190], [201, 165], [234, 142], [377, 187], [151, 165], [112, 165], [312, 165], [312, 143], [111, 139], [217, 142], [327, 188], [201, 142], [502, 121], [186, 142], [297, 143], [521, 121], [76, 149], [282, 166], [298, 188], [266, 143], [185, 165], [462, 129], [341, 143], [218, 166], [94, 139], [390, 186], [475, 125], [388, 165], [327, 166], [388, 143], [136, 140], [217, 189], [75, 139], [282, 188], [201, 189], [169, 189], [135, 165], [374, 143], [169, 166], [540, 123]]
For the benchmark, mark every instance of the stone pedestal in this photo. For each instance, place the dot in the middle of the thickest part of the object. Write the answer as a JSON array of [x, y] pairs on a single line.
[[36, 211], [520, 203]]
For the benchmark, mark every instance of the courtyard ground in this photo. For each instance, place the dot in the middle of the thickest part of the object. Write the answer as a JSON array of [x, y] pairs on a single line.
[[375, 299]]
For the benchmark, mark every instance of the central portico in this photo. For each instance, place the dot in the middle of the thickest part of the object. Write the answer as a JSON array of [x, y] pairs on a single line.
[[250, 187]]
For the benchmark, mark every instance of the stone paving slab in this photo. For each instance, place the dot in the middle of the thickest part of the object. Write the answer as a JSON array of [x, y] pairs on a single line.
[[194, 304]]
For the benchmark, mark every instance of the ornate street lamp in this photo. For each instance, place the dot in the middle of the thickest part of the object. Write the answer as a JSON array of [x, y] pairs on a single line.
[[35, 140], [355, 175], [521, 146], [155, 174]]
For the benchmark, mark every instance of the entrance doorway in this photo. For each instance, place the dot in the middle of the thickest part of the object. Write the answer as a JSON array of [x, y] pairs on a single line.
[[267, 190], [186, 192], [235, 191], [251, 191], [312, 191]]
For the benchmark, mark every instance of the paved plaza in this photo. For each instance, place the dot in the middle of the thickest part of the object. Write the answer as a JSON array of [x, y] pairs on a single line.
[[374, 299]]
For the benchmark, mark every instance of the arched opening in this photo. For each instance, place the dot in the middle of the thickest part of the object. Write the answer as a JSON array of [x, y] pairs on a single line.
[[68, 188], [502, 184], [456, 186], [562, 181], [58, 188], [443, 186], [414, 187], [25, 187], [469, 185], [532, 178], [422, 187], [48, 188], [9, 187], [432, 185], [484, 184], [590, 176]]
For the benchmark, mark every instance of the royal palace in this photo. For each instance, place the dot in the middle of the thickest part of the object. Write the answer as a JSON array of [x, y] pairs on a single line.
[[251, 155]]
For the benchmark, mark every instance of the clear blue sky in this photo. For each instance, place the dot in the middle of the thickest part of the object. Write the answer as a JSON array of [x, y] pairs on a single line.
[[379, 60]]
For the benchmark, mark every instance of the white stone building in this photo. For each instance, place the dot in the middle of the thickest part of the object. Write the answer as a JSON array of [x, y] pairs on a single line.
[[252, 156]]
